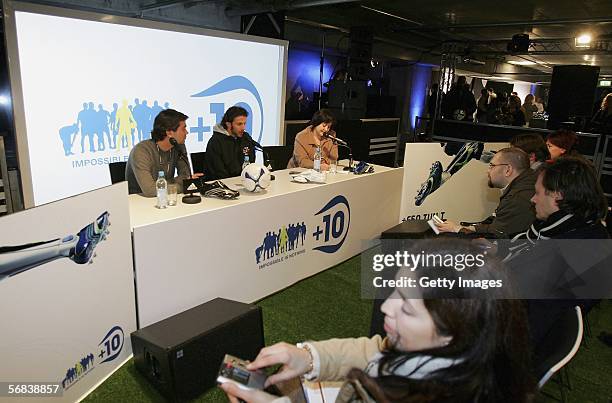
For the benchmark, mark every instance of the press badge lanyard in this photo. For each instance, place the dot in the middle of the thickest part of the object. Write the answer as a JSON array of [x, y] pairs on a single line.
[[160, 160]]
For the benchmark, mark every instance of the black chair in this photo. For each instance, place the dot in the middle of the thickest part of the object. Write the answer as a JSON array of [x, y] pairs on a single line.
[[279, 156], [198, 162], [558, 348], [117, 171]]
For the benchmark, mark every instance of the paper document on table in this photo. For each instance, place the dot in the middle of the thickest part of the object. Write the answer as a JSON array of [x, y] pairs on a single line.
[[321, 392]]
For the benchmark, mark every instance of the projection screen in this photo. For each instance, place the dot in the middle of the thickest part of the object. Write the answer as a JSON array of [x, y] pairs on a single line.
[[86, 87]]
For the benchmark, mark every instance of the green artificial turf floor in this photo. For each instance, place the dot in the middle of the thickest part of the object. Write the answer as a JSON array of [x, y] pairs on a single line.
[[329, 305]]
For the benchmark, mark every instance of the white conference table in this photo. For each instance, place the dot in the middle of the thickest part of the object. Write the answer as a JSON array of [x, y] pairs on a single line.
[[258, 244]]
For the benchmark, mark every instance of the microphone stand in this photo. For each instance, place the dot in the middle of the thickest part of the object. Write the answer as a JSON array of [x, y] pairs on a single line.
[[345, 145], [350, 167]]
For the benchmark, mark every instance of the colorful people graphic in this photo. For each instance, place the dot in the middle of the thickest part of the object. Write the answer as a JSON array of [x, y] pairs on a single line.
[[118, 129], [287, 239]]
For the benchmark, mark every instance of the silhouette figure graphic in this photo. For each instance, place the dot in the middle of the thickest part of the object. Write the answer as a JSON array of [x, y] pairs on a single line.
[[67, 135], [113, 125], [125, 123], [101, 128], [283, 238], [142, 116], [86, 122]]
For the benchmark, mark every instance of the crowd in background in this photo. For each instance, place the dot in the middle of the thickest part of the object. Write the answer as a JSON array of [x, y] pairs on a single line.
[[459, 103]]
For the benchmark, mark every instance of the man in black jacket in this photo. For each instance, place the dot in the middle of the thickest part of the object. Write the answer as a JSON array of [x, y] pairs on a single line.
[[459, 103], [563, 259], [229, 145]]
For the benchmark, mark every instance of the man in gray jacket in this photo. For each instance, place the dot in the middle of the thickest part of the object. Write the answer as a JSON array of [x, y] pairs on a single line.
[[509, 171], [165, 151]]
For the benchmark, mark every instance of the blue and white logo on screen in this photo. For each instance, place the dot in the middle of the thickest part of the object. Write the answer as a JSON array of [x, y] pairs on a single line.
[[229, 84], [330, 233]]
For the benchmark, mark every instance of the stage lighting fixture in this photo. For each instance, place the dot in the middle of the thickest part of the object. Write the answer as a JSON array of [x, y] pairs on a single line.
[[583, 41]]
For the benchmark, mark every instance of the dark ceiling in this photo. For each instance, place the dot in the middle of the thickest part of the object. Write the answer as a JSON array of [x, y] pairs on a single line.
[[416, 30], [482, 28]]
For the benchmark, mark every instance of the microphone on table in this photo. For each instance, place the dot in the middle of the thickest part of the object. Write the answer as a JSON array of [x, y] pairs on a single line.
[[342, 143], [336, 139], [189, 185]]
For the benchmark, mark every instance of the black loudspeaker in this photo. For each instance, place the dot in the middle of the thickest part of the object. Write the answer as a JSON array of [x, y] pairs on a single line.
[[181, 355], [360, 52], [347, 100], [519, 43], [572, 93], [271, 25]]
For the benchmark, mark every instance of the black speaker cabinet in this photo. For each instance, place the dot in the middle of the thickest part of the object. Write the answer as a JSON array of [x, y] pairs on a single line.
[[181, 355], [360, 47], [572, 93]]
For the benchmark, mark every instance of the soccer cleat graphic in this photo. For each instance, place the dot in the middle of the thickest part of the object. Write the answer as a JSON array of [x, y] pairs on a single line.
[[88, 239], [79, 248], [469, 151], [432, 183]]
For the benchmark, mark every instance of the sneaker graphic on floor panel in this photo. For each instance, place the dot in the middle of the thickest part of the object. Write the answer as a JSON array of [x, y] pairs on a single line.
[[79, 248]]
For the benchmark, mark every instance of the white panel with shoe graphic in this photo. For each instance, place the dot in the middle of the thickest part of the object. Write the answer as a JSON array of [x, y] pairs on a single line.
[[448, 180], [66, 296]]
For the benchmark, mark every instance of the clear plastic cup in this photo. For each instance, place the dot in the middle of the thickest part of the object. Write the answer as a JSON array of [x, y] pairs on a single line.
[[333, 166], [172, 194]]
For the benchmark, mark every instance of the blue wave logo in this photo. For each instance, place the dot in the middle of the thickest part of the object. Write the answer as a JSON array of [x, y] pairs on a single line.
[[336, 220], [236, 83], [112, 344]]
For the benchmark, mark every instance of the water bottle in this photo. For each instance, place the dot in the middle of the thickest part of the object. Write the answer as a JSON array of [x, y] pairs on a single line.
[[162, 190], [317, 159], [246, 161]]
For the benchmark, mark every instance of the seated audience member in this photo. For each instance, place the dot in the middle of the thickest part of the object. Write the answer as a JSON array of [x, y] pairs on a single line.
[[509, 171], [229, 145], [160, 153], [316, 134], [562, 143], [535, 147], [460, 345], [569, 204]]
